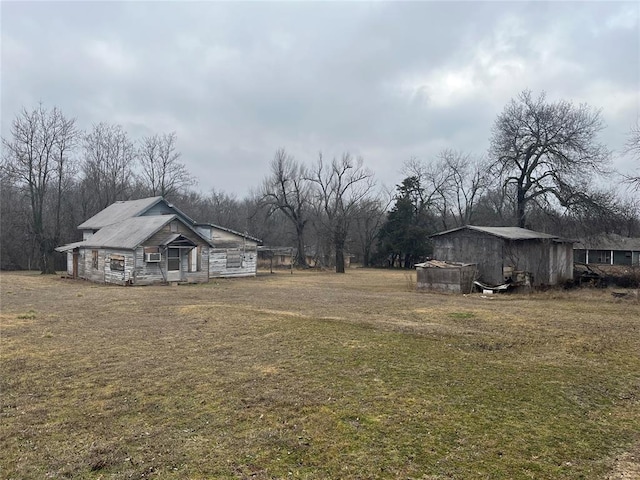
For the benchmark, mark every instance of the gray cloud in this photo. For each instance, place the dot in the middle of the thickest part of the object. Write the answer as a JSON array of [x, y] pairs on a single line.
[[388, 81]]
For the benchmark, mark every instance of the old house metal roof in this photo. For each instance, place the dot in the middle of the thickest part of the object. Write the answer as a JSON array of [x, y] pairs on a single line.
[[119, 211], [229, 230], [126, 224], [509, 233], [128, 234]]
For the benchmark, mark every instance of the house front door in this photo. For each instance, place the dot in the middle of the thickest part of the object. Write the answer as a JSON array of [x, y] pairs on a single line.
[[174, 262]]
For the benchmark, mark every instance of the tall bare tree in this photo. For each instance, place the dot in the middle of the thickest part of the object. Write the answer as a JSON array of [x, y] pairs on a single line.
[[632, 147], [287, 190], [546, 149], [340, 187], [109, 158], [368, 218], [38, 157], [162, 172], [468, 179], [429, 189]]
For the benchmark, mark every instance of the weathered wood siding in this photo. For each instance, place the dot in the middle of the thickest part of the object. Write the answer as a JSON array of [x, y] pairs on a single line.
[[223, 239], [180, 228], [466, 246], [136, 270], [219, 265], [87, 234], [103, 273], [70, 262], [147, 273], [448, 280], [160, 208], [561, 263]]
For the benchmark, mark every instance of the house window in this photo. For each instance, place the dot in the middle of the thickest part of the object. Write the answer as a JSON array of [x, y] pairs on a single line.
[[94, 259], [117, 263], [234, 258], [173, 259], [600, 256], [174, 227]]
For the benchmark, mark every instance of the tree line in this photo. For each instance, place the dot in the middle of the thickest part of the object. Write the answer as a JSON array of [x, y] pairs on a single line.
[[544, 169]]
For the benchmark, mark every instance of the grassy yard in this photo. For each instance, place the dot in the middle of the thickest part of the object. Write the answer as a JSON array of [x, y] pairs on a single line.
[[315, 375]]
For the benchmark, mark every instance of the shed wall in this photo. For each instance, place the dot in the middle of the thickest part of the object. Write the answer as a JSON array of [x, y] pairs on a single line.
[[449, 280], [549, 262], [468, 246]]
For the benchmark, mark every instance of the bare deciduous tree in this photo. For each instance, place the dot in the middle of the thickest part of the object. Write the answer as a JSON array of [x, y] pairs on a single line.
[[368, 218], [340, 187], [38, 157], [109, 157], [431, 184], [468, 180], [632, 147], [162, 172], [546, 149], [287, 190]]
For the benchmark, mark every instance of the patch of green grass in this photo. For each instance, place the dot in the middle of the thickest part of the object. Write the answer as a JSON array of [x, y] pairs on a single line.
[[30, 315]]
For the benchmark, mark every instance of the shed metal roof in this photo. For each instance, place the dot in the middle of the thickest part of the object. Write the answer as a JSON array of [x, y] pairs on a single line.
[[509, 233]]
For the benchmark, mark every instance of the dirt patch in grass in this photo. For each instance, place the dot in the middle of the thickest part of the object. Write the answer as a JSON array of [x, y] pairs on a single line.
[[315, 375]]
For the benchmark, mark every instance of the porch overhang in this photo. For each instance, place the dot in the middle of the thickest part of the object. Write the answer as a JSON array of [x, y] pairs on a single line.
[[178, 241]]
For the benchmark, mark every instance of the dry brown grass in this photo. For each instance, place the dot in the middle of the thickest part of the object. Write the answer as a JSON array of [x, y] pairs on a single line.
[[315, 375]]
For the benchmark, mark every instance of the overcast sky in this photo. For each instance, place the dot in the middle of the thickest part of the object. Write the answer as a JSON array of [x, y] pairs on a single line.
[[385, 81]]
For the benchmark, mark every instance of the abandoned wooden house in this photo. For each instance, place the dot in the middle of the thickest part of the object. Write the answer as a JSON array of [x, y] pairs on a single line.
[[609, 249], [507, 254], [146, 241]]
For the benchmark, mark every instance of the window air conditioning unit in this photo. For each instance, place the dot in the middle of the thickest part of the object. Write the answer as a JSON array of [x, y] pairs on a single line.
[[153, 257]]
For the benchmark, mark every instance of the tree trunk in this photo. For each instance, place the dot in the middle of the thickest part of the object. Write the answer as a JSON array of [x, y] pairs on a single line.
[[520, 206], [339, 260], [47, 257], [366, 255], [338, 243], [301, 257]]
